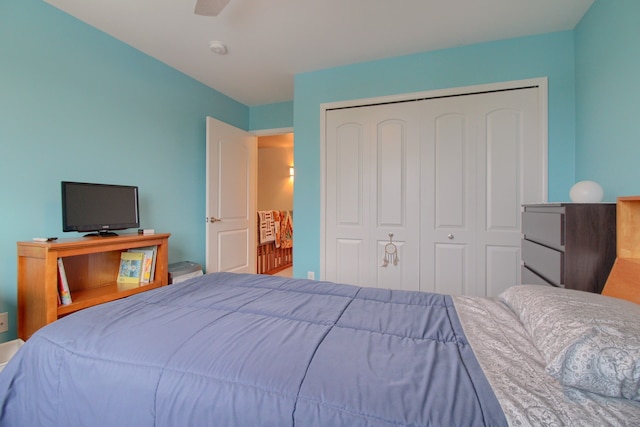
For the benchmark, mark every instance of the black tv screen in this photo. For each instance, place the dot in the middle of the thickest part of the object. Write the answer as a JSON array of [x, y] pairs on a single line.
[[99, 207]]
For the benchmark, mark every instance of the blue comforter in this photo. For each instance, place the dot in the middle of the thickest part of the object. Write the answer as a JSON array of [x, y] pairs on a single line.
[[246, 350]]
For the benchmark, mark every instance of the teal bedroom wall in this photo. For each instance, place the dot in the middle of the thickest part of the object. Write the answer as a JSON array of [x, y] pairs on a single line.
[[271, 116], [549, 55], [607, 97], [77, 104]]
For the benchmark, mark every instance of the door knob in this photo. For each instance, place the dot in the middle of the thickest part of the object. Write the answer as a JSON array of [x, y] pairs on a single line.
[[450, 236], [213, 219]]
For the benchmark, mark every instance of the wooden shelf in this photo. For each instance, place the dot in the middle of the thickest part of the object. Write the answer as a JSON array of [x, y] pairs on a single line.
[[89, 297], [91, 265]]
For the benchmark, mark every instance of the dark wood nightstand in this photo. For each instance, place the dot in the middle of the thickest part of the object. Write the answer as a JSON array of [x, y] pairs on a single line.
[[570, 245]]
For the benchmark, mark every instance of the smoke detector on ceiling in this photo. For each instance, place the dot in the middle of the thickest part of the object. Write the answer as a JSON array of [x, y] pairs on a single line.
[[217, 47]]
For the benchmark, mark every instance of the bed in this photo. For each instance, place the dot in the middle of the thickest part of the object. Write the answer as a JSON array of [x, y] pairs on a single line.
[[230, 349]]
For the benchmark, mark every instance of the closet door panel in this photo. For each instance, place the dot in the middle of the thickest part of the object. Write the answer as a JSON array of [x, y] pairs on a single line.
[[508, 138], [448, 201], [395, 197], [391, 151], [502, 268], [450, 269], [503, 141], [347, 253], [349, 151], [391, 268], [451, 163]]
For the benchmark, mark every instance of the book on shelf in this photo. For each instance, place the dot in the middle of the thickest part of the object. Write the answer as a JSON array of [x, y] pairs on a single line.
[[130, 267], [64, 295], [148, 262]]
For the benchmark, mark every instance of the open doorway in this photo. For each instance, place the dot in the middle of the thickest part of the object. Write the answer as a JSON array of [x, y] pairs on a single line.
[[276, 172]]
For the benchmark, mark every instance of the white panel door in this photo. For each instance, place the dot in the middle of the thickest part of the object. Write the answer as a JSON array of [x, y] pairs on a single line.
[[511, 153], [446, 176], [372, 186], [395, 197], [347, 212], [448, 196], [482, 160], [231, 199]]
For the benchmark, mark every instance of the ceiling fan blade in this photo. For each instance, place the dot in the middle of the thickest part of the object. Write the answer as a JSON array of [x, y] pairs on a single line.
[[210, 7]]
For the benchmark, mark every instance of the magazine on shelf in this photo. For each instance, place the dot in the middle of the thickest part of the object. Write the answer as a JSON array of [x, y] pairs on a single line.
[[130, 267], [63, 285], [148, 263]]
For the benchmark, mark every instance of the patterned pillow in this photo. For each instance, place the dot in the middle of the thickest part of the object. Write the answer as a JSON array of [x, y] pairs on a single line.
[[601, 361], [588, 341]]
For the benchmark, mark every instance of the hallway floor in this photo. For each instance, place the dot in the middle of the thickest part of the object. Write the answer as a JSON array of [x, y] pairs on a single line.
[[287, 272]]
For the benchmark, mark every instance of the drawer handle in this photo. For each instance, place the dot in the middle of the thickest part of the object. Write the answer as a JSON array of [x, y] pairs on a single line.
[[450, 236]]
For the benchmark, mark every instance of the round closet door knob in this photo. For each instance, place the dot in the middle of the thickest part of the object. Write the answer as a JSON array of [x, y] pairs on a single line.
[[450, 236]]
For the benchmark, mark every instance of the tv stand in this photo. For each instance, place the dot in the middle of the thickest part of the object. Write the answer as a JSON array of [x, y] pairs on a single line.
[[101, 234], [91, 265]]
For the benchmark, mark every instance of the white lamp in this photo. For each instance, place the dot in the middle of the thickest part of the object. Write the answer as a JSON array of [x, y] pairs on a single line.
[[586, 192]]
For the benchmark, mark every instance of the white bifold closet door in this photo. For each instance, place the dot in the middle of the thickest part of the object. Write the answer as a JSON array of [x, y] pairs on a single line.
[[373, 189], [446, 177]]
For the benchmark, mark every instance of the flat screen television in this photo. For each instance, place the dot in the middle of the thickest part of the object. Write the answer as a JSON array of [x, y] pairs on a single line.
[[99, 208]]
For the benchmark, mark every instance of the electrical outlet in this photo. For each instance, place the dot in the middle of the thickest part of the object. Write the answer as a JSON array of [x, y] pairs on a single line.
[[4, 322], [311, 275]]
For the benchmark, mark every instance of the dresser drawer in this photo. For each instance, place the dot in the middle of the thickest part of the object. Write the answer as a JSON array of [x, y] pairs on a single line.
[[547, 261], [572, 245], [532, 278], [544, 227]]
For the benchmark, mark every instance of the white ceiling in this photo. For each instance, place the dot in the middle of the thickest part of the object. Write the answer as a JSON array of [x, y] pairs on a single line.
[[269, 41]]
